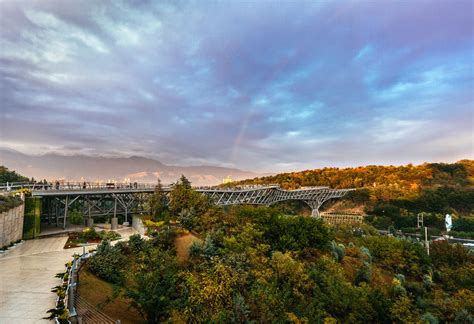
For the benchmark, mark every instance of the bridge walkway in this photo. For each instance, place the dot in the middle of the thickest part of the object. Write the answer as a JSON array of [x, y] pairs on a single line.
[[27, 274]]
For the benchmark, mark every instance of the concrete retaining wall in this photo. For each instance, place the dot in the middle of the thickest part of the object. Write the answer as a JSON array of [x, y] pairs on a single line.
[[340, 218], [11, 225], [137, 224]]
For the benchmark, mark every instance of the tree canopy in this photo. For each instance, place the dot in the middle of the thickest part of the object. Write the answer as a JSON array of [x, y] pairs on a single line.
[[7, 175], [256, 264]]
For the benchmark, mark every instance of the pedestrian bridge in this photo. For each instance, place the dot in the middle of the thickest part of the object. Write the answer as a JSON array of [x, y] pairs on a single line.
[[112, 199]]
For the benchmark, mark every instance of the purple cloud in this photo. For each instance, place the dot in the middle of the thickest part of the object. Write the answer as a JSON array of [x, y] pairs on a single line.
[[258, 85]]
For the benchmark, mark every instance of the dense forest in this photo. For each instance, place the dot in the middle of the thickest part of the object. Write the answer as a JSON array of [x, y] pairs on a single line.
[[385, 182], [256, 264], [394, 196]]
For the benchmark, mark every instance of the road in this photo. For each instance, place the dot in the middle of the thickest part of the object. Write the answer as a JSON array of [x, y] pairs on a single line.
[[431, 237]]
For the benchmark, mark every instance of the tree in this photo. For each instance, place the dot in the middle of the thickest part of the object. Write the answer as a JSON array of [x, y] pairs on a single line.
[[187, 218], [435, 187], [294, 233], [76, 217], [152, 287], [108, 263], [183, 197], [10, 176], [404, 311], [210, 294], [159, 203]]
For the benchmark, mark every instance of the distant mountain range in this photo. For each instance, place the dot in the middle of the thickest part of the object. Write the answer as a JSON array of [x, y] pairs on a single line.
[[94, 168]]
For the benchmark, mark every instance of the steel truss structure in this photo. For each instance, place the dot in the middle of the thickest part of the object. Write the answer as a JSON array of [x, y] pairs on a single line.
[[56, 207], [314, 197], [126, 199]]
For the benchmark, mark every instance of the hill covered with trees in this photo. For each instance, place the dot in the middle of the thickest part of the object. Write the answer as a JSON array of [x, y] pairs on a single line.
[[7, 175], [395, 195], [256, 264], [384, 183]]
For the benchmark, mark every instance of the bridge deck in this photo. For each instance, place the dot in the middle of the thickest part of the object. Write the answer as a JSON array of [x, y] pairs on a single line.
[[96, 199], [69, 191]]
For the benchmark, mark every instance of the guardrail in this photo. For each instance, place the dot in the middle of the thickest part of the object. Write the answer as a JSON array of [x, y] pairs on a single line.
[[75, 186], [335, 213], [68, 300], [121, 185]]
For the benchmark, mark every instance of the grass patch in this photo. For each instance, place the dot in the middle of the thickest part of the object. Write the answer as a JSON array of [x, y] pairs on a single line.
[[9, 202], [107, 298], [182, 243]]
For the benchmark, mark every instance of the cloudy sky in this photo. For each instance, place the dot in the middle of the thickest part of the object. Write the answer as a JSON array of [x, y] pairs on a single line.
[[259, 85]]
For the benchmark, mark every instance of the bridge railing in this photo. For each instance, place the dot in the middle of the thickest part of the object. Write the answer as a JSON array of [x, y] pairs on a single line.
[[234, 188], [116, 185], [74, 186]]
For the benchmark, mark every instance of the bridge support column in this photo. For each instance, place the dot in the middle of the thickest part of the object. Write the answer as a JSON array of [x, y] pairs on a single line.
[[57, 213], [65, 211], [90, 220], [114, 221], [50, 210], [314, 205]]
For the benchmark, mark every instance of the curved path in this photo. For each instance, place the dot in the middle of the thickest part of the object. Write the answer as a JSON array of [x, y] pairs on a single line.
[[27, 274]]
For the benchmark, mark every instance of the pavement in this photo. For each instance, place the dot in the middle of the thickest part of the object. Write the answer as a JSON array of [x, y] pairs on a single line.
[[27, 274], [51, 230]]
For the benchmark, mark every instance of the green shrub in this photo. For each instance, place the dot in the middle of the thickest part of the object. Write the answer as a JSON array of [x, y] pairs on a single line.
[[187, 218], [89, 234], [195, 250], [108, 263], [397, 255], [209, 247], [464, 224], [463, 316], [444, 254], [76, 217], [136, 243], [294, 233], [429, 318], [109, 235], [164, 239], [465, 235], [364, 274], [9, 202], [337, 251]]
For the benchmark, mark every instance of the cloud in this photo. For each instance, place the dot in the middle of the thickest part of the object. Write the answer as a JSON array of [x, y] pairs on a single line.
[[257, 85]]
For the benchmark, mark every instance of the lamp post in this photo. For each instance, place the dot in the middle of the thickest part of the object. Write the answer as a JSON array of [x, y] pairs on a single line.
[[427, 243]]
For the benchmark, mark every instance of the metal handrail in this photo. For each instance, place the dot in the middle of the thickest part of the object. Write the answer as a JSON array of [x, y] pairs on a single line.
[[70, 293], [117, 185], [74, 186]]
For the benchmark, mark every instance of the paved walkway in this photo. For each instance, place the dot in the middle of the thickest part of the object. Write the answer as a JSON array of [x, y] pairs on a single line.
[[27, 276]]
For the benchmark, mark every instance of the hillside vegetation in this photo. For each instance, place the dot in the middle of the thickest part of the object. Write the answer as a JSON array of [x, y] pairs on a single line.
[[384, 183], [258, 265], [7, 201], [395, 195], [7, 175]]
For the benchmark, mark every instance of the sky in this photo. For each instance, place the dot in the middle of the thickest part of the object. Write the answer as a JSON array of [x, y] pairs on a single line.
[[266, 86]]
